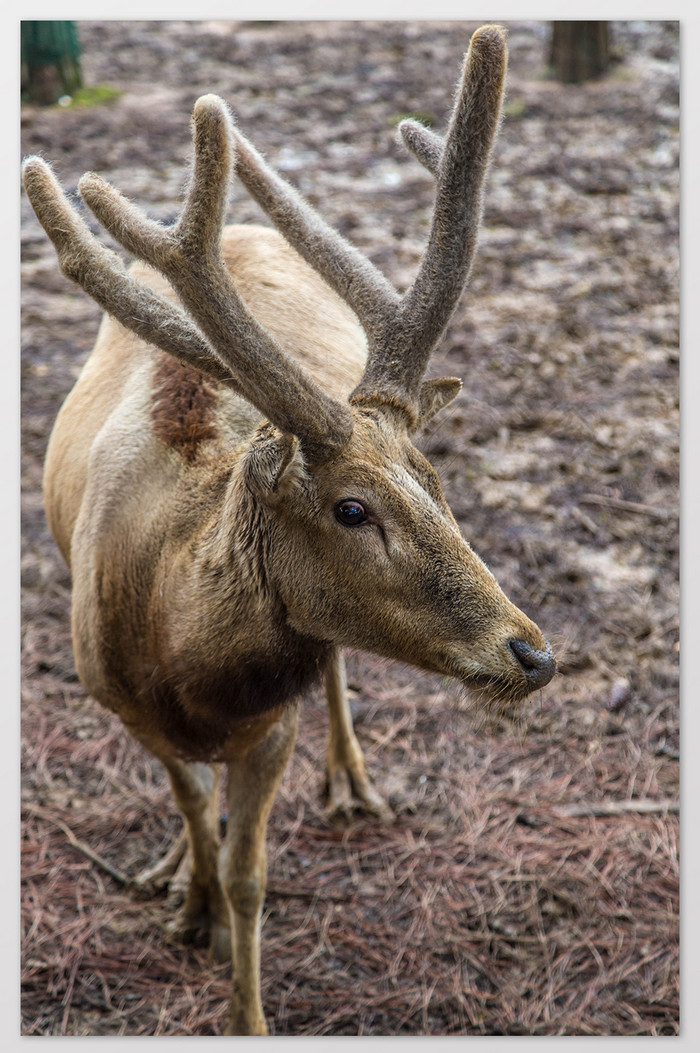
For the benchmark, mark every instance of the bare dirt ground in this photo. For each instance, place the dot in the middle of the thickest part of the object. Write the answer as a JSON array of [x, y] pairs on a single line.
[[529, 884]]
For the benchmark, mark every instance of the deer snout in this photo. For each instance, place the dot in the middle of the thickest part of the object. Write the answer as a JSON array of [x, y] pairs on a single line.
[[539, 666]]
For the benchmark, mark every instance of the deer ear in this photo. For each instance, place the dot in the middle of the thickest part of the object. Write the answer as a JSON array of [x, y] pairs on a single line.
[[271, 465], [434, 396]]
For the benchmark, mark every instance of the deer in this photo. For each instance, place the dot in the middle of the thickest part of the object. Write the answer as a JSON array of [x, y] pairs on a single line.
[[234, 485]]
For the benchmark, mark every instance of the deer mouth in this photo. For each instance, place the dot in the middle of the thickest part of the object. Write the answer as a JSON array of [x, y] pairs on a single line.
[[501, 693], [527, 669]]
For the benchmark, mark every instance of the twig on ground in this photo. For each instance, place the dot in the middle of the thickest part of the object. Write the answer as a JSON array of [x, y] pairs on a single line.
[[118, 875], [627, 506], [603, 808]]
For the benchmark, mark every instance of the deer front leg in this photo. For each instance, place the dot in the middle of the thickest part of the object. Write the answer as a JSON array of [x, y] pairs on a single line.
[[349, 786], [195, 788], [252, 784]]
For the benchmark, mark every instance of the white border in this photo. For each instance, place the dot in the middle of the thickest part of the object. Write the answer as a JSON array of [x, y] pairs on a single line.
[[506, 10]]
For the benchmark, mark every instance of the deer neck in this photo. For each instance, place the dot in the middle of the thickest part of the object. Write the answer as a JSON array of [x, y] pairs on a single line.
[[225, 642]]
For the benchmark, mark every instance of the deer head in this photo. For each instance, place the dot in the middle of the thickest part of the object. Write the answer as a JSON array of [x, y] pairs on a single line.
[[361, 547]]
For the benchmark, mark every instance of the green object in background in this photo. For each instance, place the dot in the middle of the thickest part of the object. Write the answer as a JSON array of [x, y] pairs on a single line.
[[50, 55]]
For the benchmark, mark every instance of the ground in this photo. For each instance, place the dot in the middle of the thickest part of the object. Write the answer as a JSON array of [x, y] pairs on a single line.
[[529, 884]]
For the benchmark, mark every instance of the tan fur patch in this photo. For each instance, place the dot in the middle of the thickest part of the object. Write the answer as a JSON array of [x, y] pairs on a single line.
[[183, 406], [398, 405]]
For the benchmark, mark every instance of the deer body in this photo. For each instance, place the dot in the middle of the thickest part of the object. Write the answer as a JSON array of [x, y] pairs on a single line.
[[159, 462], [234, 486]]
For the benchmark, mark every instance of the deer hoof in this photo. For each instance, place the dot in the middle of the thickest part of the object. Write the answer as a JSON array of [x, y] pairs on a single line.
[[238, 1023], [170, 873], [350, 793]]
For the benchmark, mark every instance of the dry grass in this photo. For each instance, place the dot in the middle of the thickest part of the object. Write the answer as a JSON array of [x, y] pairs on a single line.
[[485, 909]]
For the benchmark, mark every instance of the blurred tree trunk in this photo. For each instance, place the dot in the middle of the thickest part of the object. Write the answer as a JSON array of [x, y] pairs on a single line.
[[579, 50], [50, 61]]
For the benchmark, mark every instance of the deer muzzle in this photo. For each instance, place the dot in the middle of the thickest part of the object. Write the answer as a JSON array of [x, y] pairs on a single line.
[[539, 666]]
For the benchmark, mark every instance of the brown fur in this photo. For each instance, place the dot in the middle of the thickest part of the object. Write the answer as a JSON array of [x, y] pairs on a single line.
[[182, 409]]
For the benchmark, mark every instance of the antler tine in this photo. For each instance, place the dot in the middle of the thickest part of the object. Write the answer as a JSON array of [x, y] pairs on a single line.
[[204, 212], [427, 146], [189, 255], [397, 367], [402, 332], [198, 230], [103, 276], [353, 277]]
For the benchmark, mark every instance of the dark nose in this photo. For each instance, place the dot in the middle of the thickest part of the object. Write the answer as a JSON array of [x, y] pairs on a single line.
[[539, 666]]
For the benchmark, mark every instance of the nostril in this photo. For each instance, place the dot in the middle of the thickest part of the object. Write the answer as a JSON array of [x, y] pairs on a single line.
[[526, 655], [538, 666]]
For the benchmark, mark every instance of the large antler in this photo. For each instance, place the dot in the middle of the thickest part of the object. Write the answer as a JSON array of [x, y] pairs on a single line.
[[226, 342], [402, 331]]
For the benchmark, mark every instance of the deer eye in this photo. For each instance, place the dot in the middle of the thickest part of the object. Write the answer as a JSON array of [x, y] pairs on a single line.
[[350, 513]]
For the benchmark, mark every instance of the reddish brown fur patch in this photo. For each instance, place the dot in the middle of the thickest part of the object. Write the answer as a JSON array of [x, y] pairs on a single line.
[[183, 406]]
